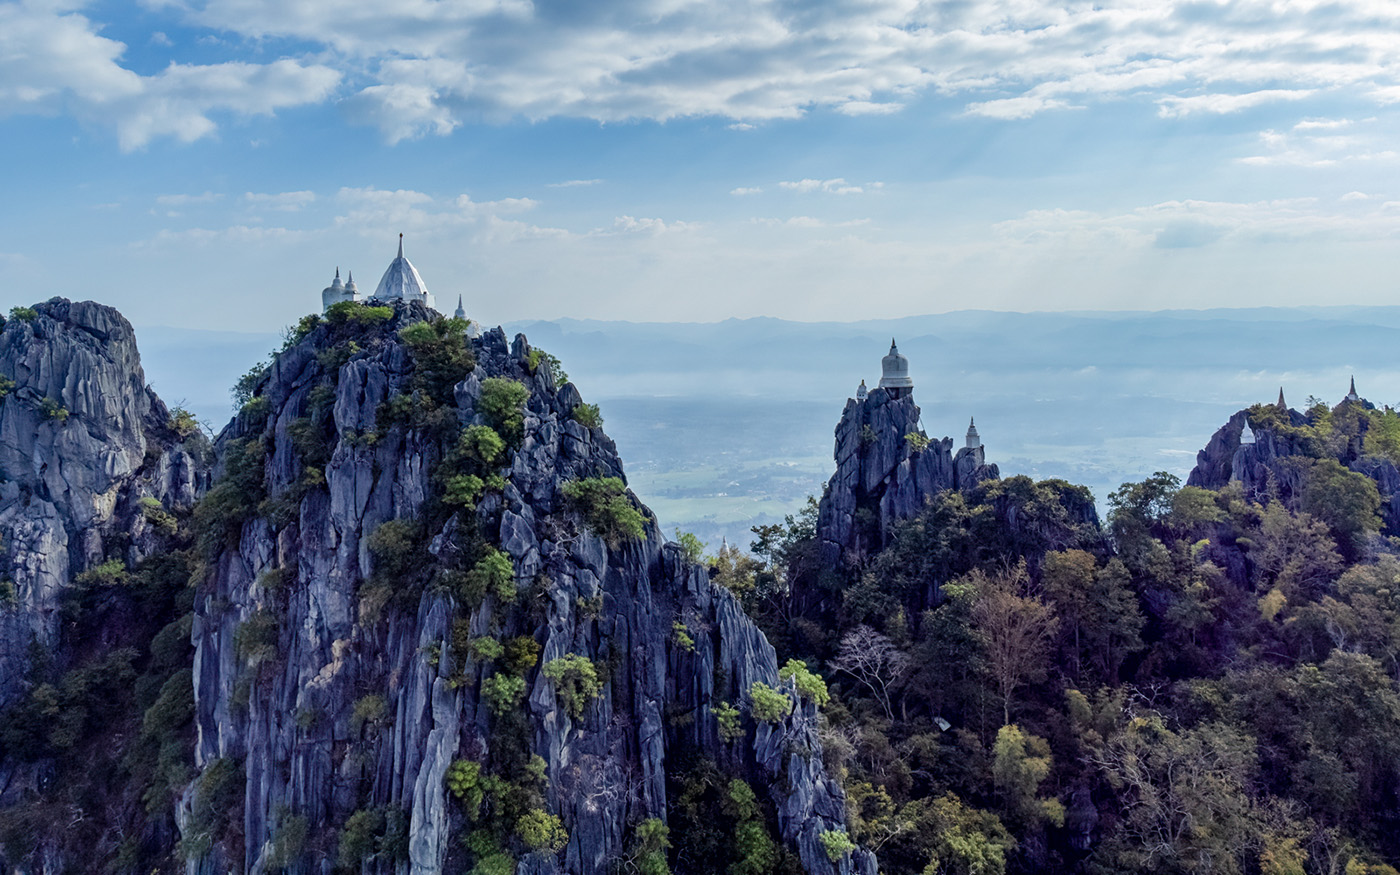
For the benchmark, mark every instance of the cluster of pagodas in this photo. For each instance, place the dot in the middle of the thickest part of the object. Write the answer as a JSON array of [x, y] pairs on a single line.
[[1247, 433], [401, 282], [895, 380]]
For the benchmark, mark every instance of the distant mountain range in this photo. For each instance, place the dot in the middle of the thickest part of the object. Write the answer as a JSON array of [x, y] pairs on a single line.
[[728, 424]]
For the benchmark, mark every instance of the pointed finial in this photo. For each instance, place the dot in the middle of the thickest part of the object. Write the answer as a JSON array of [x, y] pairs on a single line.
[[337, 272], [349, 275], [400, 244], [1282, 405], [1353, 384], [459, 302], [972, 422]]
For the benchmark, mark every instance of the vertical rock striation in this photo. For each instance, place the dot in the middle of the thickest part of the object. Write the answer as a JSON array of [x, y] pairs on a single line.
[[886, 470], [339, 690], [82, 441]]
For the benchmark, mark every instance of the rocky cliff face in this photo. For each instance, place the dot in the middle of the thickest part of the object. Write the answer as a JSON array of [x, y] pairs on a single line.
[[1278, 435], [85, 448], [356, 633], [883, 476]]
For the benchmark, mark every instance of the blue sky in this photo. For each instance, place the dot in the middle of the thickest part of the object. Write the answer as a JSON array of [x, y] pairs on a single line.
[[208, 163]]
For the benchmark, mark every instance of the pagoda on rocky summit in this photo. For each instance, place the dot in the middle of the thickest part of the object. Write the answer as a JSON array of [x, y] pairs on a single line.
[[895, 377]]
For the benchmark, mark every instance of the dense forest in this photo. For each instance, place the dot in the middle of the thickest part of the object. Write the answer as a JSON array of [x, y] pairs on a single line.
[[1207, 683]]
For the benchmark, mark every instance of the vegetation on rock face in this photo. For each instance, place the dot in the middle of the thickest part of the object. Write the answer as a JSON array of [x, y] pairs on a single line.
[[575, 680], [606, 508], [768, 704]]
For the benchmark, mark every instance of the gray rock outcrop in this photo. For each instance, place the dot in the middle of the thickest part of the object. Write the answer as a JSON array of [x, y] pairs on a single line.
[[83, 441], [886, 470], [340, 691]]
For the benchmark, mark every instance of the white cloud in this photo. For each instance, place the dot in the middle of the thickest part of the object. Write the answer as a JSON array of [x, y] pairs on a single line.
[[425, 67], [1220, 104], [573, 183], [286, 201], [1014, 107], [827, 186], [1319, 143], [1356, 196], [653, 227], [53, 60], [865, 107], [742, 190], [160, 39]]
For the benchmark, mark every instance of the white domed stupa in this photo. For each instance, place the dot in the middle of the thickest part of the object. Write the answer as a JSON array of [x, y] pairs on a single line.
[[401, 281], [336, 292], [895, 373], [974, 440], [862, 392]]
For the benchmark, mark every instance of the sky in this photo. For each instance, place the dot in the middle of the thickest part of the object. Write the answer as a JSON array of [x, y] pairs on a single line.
[[210, 163]]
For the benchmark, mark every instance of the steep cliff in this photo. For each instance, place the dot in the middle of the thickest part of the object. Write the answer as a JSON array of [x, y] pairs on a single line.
[[886, 470], [97, 476], [1279, 460], [422, 570], [82, 442]]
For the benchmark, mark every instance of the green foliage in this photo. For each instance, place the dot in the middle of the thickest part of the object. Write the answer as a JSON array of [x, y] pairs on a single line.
[[53, 410], [836, 843], [9, 593], [502, 402], [219, 516], [156, 514], [917, 442], [109, 573], [255, 639], [442, 357], [470, 786], [463, 490], [494, 574], [396, 548], [542, 831], [244, 390], [768, 704], [288, 842], [182, 422], [575, 680], [371, 709], [490, 858], [357, 314], [606, 508], [23, 314], [295, 334], [588, 415], [503, 692], [691, 546], [650, 841], [536, 357], [810, 685], [681, 635], [6, 386], [522, 653], [730, 727], [217, 804], [485, 649], [359, 840], [1021, 763]]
